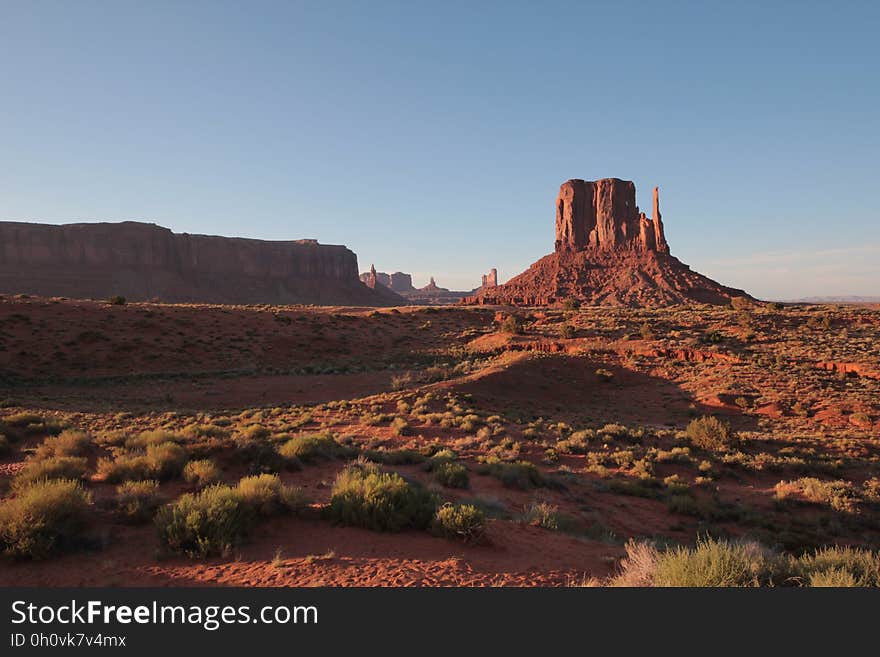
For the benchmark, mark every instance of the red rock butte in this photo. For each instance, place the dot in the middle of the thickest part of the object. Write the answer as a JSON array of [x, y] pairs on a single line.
[[607, 252], [143, 262]]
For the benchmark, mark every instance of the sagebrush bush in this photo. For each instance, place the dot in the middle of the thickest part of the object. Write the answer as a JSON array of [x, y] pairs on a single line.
[[451, 475], [311, 447], [259, 455], [512, 324], [463, 522], [718, 563], [164, 460], [364, 496], [202, 472], [43, 517], [212, 521], [55, 467], [840, 495], [710, 433], [266, 495], [519, 474], [138, 500], [68, 443]]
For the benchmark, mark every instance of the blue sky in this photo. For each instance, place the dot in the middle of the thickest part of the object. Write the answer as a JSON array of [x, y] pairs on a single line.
[[431, 137]]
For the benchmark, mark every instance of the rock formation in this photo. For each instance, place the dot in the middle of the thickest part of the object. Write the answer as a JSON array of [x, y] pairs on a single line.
[[398, 281], [490, 279], [143, 261], [607, 252]]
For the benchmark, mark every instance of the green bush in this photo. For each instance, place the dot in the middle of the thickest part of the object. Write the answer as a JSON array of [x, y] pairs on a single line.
[[116, 300], [68, 443], [451, 475], [714, 563], [266, 495], [138, 500], [710, 433], [519, 474], [202, 472], [717, 563], [56, 467], [512, 324], [309, 448], [159, 461], [394, 456], [463, 522], [44, 517], [212, 521], [364, 496], [258, 455]]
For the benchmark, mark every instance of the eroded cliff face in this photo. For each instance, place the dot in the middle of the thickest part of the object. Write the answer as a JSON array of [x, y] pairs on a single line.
[[143, 261], [603, 214]]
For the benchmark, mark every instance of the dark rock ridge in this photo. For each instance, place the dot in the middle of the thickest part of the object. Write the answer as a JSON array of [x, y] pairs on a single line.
[[143, 261], [607, 252]]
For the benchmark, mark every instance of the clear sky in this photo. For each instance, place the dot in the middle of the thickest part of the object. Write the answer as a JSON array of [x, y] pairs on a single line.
[[431, 137]]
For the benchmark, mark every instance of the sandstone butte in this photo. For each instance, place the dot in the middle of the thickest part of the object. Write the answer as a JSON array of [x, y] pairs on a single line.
[[607, 253], [143, 261]]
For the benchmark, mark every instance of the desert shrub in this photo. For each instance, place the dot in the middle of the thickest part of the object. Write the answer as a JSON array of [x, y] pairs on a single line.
[[394, 456], [403, 381], [451, 475], [543, 514], [147, 438], [266, 495], [839, 495], [646, 331], [159, 461], [212, 521], [21, 420], [463, 522], [871, 490], [258, 455], [715, 563], [571, 304], [166, 460], [138, 500], [512, 324], [43, 517], [718, 563], [5, 447], [604, 375], [838, 566], [710, 433], [116, 300], [713, 337], [833, 577], [567, 331], [519, 474], [364, 496], [56, 467], [400, 427], [312, 447], [68, 443], [202, 472]]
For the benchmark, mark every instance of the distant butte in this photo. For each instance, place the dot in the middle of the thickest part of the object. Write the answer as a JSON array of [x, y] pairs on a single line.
[[147, 262], [607, 253]]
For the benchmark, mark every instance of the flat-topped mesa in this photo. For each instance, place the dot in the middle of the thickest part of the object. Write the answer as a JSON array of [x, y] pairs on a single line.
[[603, 214]]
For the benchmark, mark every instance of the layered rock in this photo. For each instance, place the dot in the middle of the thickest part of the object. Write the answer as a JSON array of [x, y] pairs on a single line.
[[607, 252], [398, 281], [490, 279], [603, 214], [143, 261]]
